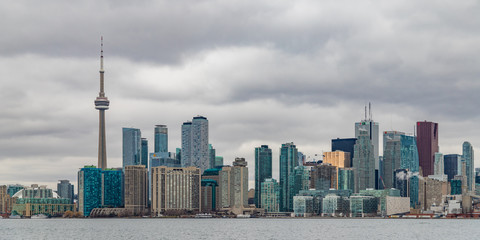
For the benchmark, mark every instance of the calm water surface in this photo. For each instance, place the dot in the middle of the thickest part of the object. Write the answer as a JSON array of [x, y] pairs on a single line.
[[239, 229]]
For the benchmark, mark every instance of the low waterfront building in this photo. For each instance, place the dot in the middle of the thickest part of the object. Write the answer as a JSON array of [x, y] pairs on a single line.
[[397, 205], [302, 206], [381, 196], [318, 196], [363, 206], [48, 206], [334, 205]]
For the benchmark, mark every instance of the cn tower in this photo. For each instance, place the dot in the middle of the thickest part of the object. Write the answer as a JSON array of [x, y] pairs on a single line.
[[101, 104]]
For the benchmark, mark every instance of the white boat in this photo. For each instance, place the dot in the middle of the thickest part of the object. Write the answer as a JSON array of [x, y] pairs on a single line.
[[15, 217], [39, 216], [243, 216], [203, 215]]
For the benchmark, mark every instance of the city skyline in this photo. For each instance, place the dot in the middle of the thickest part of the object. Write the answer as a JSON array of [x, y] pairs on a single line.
[[255, 88]]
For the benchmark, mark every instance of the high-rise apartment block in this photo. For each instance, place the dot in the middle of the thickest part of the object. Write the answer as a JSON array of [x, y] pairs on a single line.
[[427, 143], [467, 155], [112, 188], [65, 190], [438, 165], [136, 189], [195, 150], [234, 186], [288, 162], [263, 170], [89, 189], [175, 190]]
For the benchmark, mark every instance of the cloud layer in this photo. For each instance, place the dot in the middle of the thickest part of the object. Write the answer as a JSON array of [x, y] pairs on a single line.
[[262, 72]]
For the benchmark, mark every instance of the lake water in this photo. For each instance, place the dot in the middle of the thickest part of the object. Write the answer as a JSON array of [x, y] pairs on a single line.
[[239, 229]]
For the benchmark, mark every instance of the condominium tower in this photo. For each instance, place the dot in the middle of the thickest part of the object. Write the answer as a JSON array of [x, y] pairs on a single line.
[[263, 170], [195, 150]]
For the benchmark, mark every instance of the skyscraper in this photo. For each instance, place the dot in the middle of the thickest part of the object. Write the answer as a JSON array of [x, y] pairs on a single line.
[[132, 146], [427, 142], [161, 138], [263, 170], [101, 104], [195, 150], [453, 165], [391, 158], [288, 162], [65, 190], [364, 161], [370, 128], [467, 155], [409, 161]]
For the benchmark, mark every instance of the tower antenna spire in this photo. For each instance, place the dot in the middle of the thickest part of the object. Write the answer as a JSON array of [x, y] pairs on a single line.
[[101, 53]]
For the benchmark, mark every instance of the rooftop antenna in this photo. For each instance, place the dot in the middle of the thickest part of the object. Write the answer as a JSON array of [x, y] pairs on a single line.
[[365, 112], [370, 110]]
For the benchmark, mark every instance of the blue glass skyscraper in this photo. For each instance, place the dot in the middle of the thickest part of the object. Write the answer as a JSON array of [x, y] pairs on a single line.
[[467, 155], [132, 146], [409, 161], [112, 188], [288, 162], [144, 153], [263, 170], [89, 189]]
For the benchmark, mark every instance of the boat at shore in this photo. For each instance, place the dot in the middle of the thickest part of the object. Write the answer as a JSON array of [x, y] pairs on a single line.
[[15, 217], [203, 215], [39, 216]]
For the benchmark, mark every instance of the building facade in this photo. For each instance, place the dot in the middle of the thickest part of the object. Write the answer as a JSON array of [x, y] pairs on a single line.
[[364, 161], [175, 190], [65, 190], [467, 155], [344, 144], [132, 146], [112, 188], [427, 142], [136, 189], [263, 170], [89, 189], [195, 150], [270, 195], [161, 138], [288, 162]]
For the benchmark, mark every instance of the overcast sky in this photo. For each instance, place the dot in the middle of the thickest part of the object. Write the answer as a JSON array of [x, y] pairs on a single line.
[[262, 72]]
